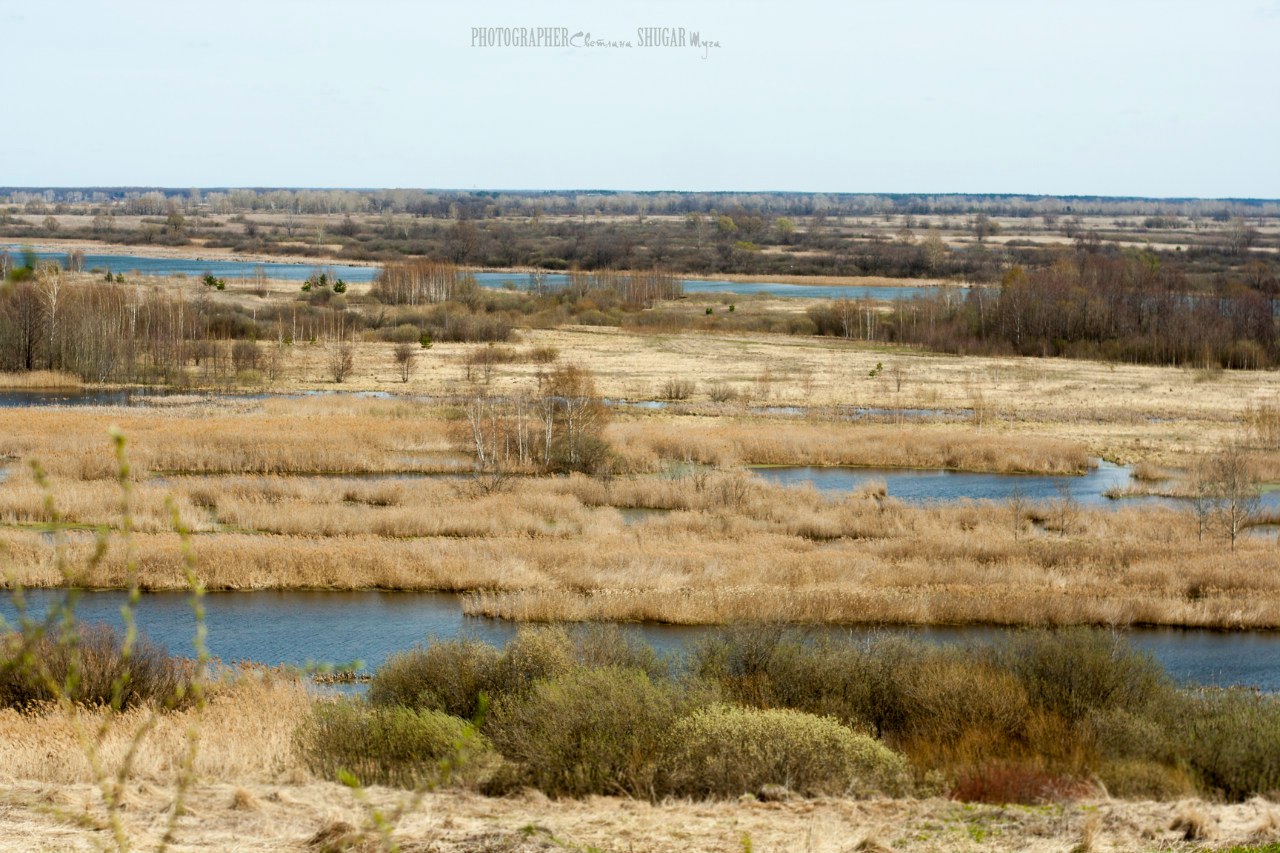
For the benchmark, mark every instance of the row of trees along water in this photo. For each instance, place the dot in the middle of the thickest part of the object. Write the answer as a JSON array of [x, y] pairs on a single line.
[[53, 318], [422, 281], [1092, 305], [1088, 306]]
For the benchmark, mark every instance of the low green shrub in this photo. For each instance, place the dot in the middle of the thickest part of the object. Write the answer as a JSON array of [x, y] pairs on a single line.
[[451, 676], [1143, 779], [533, 654], [392, 746], [1076, 671], [597, 646], [584, 711], [726, 750], [1232, 739], [448, 677], [589, 731]]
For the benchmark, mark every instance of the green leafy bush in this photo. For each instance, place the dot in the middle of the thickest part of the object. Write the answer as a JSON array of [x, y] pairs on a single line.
[[597, 646], [725, 750], [534, 653], [589, 731], [1233, 741], [1074, 672], [392, 746], [448, 677]]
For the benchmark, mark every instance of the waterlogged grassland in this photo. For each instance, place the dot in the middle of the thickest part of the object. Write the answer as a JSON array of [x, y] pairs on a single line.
[[726, 546]]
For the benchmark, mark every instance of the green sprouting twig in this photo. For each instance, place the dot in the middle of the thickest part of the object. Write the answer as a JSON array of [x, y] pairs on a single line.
[[186, 774]]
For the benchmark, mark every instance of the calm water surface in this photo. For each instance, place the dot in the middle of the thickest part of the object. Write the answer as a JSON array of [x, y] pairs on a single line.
[[298, 628], [230, 269], [926, 486]]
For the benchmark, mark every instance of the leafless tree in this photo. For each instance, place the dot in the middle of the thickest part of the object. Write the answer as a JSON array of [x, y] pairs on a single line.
[[405, 355], [897, 375], [1224, 492], [1018, 505], [49, 282], [1065, 507], [341, 359], [1203, 499], [1236, 489]]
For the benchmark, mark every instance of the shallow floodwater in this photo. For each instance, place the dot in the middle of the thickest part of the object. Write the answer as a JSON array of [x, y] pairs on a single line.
[[298, 628], [496, 280], [927, 486], [145, 265], [524, 281], [18, 399]]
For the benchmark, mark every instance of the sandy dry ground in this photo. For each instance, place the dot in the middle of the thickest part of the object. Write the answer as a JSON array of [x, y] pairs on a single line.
[[222, 817]]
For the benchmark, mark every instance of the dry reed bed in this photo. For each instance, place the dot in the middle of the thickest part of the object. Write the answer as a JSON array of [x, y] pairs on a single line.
[[246, 734], [345, 437], [733, 549], [381, 436], [307, 506], [729, 442], [39, 380]]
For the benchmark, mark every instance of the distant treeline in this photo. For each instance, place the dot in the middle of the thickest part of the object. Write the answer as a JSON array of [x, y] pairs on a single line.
[[1089, 306], [482, 204]]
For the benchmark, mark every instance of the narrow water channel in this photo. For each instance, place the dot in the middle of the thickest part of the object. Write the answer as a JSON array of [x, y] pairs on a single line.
[[298, 628]]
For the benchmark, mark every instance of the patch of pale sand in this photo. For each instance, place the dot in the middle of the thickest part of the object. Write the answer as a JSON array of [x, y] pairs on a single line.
[[273, 817]]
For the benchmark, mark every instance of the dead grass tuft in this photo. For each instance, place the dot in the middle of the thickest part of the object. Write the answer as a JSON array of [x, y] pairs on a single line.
[[1193, 822]]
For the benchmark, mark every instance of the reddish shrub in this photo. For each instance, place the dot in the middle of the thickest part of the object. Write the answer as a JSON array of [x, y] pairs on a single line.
[[1000, 783]]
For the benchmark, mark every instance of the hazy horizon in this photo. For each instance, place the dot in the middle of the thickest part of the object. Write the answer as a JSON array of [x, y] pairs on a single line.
[[179, 188], [1141, 99]]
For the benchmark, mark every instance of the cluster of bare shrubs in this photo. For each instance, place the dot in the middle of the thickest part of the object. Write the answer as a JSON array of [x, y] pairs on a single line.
[[88, 665], [678, 389], [1032, 717], [558, 428], [420, 281]]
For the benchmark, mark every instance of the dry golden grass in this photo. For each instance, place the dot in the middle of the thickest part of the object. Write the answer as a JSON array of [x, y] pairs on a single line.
[[340, 435], [245, 735], [1126, 412], [728, 442], [558, 548], [39, 380], [278, 437]]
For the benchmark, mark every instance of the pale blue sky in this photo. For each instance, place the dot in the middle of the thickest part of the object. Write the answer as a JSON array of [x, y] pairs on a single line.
[[1127, 97]]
